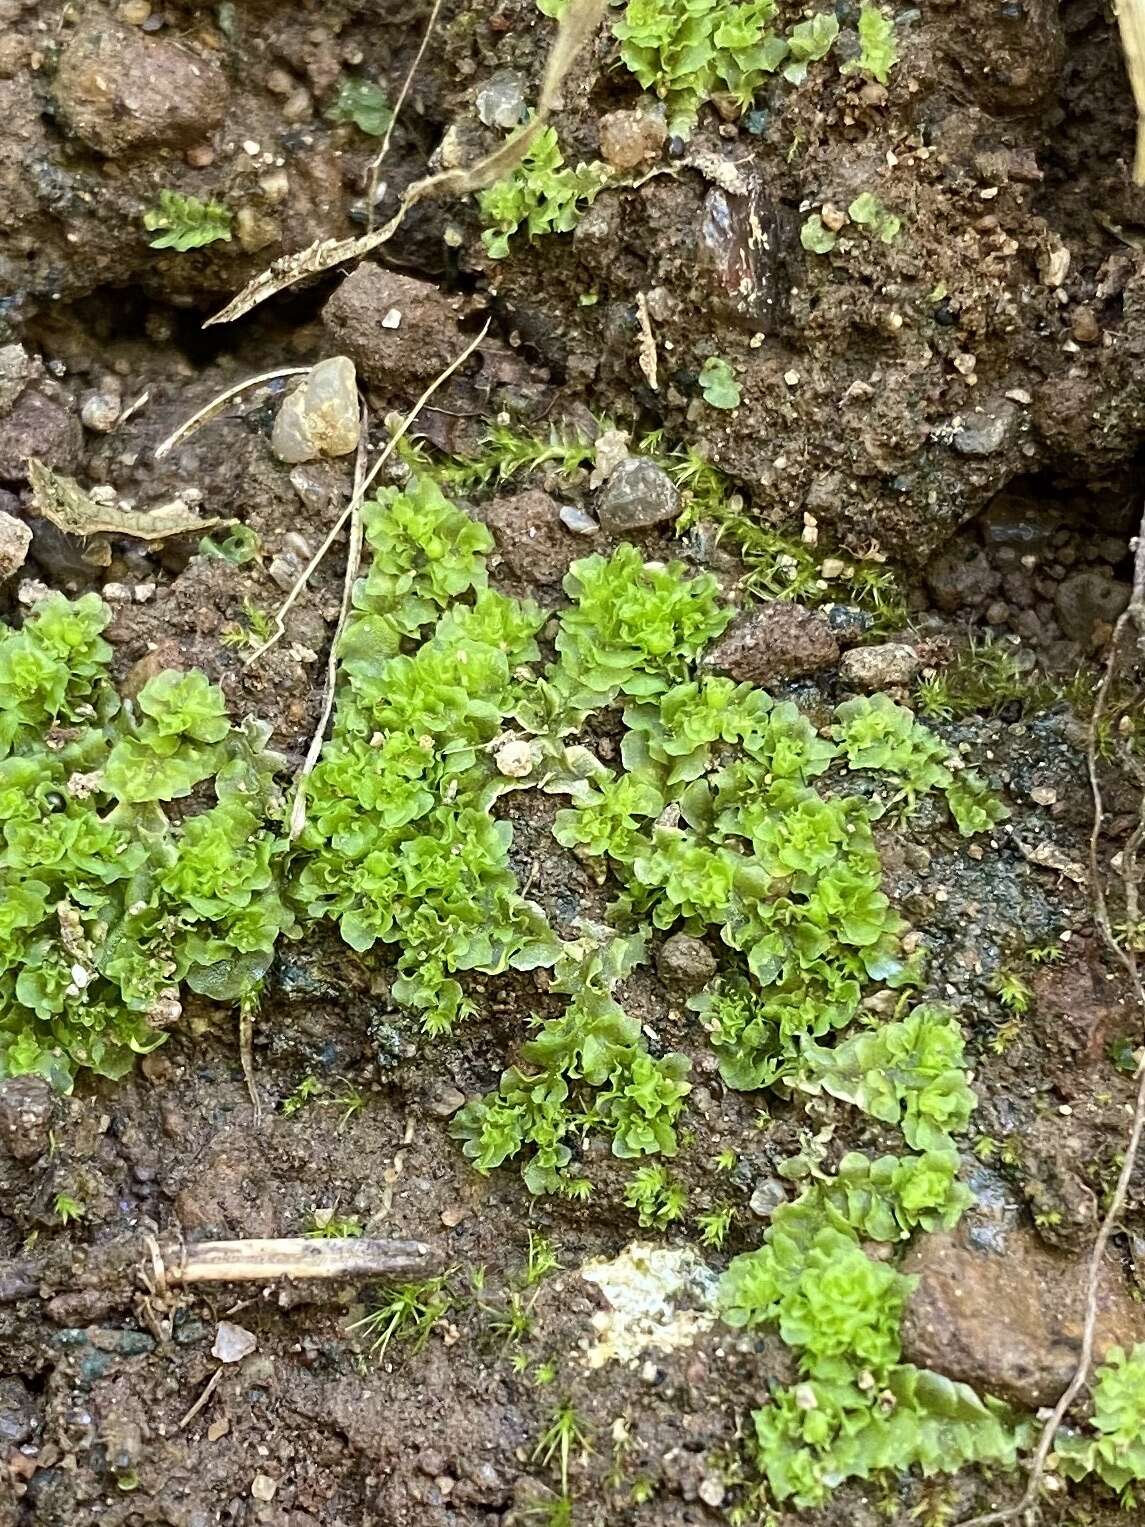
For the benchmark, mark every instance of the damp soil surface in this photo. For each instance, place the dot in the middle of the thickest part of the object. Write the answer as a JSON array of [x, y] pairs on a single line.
[[967, 401]]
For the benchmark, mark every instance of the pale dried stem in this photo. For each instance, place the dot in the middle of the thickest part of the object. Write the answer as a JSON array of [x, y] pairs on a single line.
[[576, 26], [1131, 20], [379, 158], [257, 1261], [209, 410], [353, 559]]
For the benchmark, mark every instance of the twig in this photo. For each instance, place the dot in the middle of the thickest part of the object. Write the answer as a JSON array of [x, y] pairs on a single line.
[[208, 1390], [257, 1261], [1131, 20], [248, 1007], [353, 559], [119, 1267], [379, 157], [1126, 955], [576, 26], [209, 410], [359, 495]]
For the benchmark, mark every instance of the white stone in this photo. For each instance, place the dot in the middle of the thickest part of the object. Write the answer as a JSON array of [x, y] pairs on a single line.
[[321, 416]]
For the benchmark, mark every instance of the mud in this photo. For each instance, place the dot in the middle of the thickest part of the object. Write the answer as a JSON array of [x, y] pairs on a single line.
[[969, 399]]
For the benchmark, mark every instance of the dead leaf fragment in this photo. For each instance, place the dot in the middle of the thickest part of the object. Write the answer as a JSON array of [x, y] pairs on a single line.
[[62, 500], [1048, 856]]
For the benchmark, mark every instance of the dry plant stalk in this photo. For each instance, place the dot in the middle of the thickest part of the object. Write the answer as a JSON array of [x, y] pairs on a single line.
[[576, 26], [353, 559], [122, 1266], [1126, 956], [1131, 20], [258, 1261], [379, 158], [209, 410]]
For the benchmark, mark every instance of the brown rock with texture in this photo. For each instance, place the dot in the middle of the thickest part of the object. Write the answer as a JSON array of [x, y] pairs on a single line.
[[27, 1105], [119, 89], [39, 426], [776, 641], [397, 331], [1009, 1321], [533, 542]]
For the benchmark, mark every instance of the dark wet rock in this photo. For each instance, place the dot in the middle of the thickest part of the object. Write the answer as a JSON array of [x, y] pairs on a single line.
[[17, 1413], [1086, 604], [81, 1306], [983, 431], [960, 577], [15, 538], [847, 621], [120, 90], [1063, 1204], [1009, 1321], [397, 331], [776, 641], [1075, 1012], [1024, 41], [737, 255], [1017, 522], [1018, 589], [27, 1104], [637, 495], [685, 963], [39, 426], [879, 667], [533, 542]]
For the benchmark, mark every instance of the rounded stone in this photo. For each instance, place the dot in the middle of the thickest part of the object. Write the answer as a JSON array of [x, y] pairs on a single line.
[[685, 963], [120, 90], [639, 494], [879, 667], [321, 416]]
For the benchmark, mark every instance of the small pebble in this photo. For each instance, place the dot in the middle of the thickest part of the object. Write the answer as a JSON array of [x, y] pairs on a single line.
[[100, 411], [15, 539], [577, 521], [711, 1491], [767, 1197], [514, 758], [233, 1343], [263, 1488], [1085, 327], [446, 1101], [321, 416]]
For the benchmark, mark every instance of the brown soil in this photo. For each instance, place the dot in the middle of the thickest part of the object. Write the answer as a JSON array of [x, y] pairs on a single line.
[[964, 397]]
